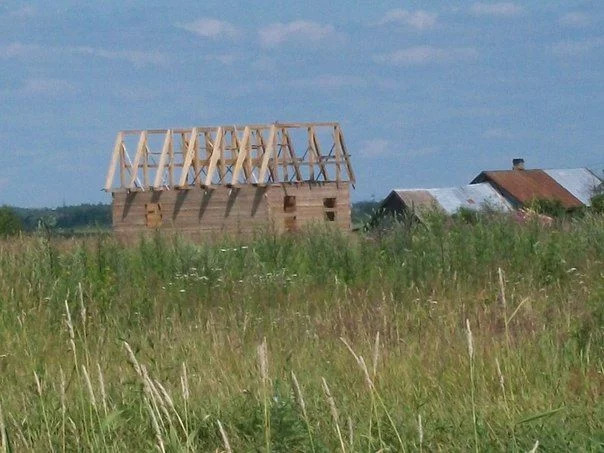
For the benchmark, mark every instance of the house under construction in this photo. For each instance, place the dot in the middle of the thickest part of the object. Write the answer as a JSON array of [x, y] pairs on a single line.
[[205, 181]]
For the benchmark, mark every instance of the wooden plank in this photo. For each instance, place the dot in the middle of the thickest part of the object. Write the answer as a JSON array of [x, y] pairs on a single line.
[[165, 154], [338, 152], [340, 137], [243, 152], [317, 150], [142, 141], [188, 158], [115, 158], [292, 155], [269, 149], [216, 152]]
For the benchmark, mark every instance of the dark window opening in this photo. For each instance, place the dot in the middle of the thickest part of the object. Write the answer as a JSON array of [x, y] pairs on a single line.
[[289, 203], [329, 202], [330, 216]]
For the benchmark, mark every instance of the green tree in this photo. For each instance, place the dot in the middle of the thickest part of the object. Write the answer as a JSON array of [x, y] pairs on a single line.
[[597, 203], [10, 223]]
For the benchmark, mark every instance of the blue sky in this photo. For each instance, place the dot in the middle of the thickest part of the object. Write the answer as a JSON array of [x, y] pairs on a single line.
[[428, 93]]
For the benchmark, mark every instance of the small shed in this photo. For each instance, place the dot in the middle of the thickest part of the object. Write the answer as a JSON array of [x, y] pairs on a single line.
[[204, 181], [448, 200]]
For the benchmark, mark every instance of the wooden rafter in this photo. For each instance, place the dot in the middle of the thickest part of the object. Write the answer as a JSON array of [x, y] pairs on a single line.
[[229, 155]]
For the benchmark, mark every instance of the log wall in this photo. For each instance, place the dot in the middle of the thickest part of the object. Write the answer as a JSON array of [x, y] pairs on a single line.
[[202, 213]]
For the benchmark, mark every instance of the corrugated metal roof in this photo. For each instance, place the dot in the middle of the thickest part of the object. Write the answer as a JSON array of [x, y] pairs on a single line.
[[451, 199], [527, 185], [580, 182]]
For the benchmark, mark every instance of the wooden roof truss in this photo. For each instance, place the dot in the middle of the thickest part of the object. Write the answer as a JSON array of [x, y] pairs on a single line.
[[230, 156]]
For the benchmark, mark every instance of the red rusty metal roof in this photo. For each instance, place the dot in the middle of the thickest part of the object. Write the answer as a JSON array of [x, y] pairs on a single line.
[[527, 185]]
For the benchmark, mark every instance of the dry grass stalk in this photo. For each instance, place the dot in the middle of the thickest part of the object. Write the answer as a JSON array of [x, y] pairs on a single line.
[[263, 363], [155, 397], [184, 383], [334, 413], [102, 387], [3, 435], [302, 404], [472, 384], [89, 387], [420, 432], [170, 403], [132, 359], [71, 332], [376, 351], [504, 303], [225, 439], [534, 449], [156, 430], [63, 407], [356, 357]]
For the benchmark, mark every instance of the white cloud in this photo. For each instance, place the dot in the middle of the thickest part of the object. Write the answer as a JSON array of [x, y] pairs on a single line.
[[297, 31], [420, 19], [136, 57], [576, 48], [380, 147], [329, 81], [41, 87], [497, 133], [17, 50], [502, 9], [376, 148], [24, 12], [575, 19], [426, 54], [208, 27]]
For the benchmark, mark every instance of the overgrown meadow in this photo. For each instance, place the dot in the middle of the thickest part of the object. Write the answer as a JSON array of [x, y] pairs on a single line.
[[445, 337]]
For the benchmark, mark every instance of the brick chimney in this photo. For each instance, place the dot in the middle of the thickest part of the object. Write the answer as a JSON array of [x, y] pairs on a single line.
[[518, 164]]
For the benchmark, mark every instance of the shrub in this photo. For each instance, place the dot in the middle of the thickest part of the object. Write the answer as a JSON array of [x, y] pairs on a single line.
[[10, 223], [597, 203], [552, 208]]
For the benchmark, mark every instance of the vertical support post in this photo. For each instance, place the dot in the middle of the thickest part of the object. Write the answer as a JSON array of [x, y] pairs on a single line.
[[115, 158]]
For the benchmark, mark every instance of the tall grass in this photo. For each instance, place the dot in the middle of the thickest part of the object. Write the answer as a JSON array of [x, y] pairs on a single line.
[[260, 345]]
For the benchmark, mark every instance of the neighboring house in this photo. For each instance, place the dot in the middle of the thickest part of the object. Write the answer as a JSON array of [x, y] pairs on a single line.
[[207, 181], [448, 200], [572, 187]]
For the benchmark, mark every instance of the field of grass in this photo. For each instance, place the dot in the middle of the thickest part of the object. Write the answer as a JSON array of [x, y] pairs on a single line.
[[410, 341]]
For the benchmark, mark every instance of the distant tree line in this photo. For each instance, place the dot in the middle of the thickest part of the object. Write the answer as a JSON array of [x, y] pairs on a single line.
[[64, 218]]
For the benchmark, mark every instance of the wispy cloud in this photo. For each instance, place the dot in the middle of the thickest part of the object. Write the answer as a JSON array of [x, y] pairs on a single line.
[[208, 27], [377, 147], [501, 9], [47, 87], [577, 48], [420, 55], [380, 147], [297, 31], [497, 133], [17, 50], [329, 81], [419, 20], [24, 12], [139, 58], [575, 19]]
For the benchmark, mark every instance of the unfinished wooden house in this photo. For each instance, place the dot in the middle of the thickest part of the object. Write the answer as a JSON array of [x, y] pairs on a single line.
[[208, 181]]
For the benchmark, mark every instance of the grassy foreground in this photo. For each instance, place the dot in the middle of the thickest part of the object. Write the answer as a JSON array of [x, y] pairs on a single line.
[[319, 342]]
